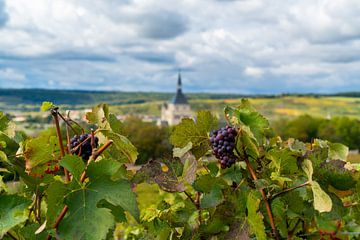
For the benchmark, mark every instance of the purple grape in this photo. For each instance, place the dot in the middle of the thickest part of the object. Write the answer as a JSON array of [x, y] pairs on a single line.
[[85, 150], [223, 142]]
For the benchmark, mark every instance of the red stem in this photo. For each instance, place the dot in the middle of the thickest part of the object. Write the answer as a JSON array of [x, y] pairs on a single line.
[[58, 132], [265, 199]]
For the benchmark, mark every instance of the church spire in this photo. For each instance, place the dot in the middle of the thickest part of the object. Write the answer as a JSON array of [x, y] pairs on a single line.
[[179, 97], [179, 82]]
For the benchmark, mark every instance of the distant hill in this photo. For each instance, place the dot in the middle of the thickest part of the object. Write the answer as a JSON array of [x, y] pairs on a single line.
[[14, 97], [32, 98]]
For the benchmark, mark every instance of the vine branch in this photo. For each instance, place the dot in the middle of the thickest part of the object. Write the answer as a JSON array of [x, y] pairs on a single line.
[[265, 199], [288, 190], [55, 115]]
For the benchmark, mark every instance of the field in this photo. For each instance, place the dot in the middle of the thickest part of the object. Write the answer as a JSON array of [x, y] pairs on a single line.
[[273, 108]]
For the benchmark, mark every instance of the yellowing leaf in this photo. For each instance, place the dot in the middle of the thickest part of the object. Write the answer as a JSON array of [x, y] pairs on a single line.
[[46, 106], [308, 168], [322, 201]]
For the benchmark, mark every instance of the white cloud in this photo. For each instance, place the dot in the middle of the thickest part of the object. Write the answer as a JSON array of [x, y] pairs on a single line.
[[11, 74], [221, 45], [253, 71]]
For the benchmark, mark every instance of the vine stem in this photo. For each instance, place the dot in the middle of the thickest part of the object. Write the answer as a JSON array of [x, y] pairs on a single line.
[[191, 199], [288, 190], [11, 236], [265, 199], [82, 179], [55, 115]]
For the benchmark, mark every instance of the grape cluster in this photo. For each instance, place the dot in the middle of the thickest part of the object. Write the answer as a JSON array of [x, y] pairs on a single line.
[[223, 143], [85, 150]]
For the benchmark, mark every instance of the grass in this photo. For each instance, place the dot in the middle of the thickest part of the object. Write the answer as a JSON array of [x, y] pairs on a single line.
[[270, 107]]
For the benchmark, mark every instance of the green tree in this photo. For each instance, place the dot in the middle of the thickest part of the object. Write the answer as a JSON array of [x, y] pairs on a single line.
[[150, 140]]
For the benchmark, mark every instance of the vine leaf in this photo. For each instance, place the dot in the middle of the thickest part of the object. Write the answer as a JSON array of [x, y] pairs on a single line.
[[3, 186], [46, 106], [13, 211], [41, 150], [88, 216], [99, 116], [245, 115], [322, 201], [167, 178], [74, 164], [338, 151], [195, 132], [55, 196], [308, 168], [122, 147], [122, 150], [212, 199], [255, 218], [7, 146], [6, 125]]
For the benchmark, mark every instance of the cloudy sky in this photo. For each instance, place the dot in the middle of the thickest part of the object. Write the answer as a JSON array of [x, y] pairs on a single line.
[[243, 46]]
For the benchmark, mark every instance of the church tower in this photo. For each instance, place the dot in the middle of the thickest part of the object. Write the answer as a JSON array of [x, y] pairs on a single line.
[[178, 107]]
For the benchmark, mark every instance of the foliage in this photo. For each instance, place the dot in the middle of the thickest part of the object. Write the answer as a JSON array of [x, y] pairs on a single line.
[[277, 189], [306, 128], [151, 141]]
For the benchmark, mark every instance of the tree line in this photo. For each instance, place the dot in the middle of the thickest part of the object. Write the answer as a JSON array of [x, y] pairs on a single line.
[[344, 130]]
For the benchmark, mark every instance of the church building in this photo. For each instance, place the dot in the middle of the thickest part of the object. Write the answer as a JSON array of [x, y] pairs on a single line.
[[172, 112]]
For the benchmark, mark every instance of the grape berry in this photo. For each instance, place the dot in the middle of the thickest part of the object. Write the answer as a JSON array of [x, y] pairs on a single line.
[[85, 150], [223, 143]]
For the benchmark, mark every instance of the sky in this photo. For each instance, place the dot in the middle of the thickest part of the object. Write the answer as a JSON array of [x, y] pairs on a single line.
[[234, 46]]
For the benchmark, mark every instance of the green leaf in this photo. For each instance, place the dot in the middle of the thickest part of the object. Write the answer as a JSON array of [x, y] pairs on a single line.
[[322, 201], [116, 211], [205, 183], [9, 146], [279, 209], [28, 232], [3, 157], [41, 150], [74, 164], [248, 143], [212, 199], [99, 115], [85, 220], [123, 147], [307, 168], [46, 106], [206, 121], [255, 218], [179, 152], [247, 116], [55, 197], [7, 126], [338, 151], [196, 133], [3, 186], [13, 211], [115, 124]]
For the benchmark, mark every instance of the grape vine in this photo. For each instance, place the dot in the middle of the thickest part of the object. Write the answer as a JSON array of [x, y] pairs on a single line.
[[238, 181]]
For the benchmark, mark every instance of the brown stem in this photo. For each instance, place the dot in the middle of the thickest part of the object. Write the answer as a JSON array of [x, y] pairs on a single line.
[[55, 114], [82, 179], [265, 199], [38, 207], [291, 232], [67, 120], [93, 147], [191, 199], [11, 236], [288, 190]]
